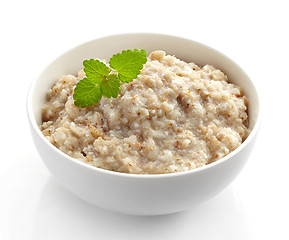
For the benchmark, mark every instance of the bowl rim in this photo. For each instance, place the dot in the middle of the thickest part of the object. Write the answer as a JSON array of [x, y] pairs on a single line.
[[36, 128]]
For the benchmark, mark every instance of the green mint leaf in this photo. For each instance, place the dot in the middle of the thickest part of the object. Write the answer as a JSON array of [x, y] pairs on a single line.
[[110, 86], [100, 81], [86, 93], [128, 63], [95, 70]]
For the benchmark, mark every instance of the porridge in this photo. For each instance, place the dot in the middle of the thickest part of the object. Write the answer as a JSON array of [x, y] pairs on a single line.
[[174, 117]]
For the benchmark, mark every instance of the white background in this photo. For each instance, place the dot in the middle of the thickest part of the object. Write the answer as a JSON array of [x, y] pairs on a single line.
[[253, 33]]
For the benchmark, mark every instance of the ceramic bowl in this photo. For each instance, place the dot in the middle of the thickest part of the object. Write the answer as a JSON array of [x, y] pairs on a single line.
[[132, 193]]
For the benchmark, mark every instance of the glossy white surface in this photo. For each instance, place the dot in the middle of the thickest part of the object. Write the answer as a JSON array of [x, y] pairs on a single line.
[[253, 33]]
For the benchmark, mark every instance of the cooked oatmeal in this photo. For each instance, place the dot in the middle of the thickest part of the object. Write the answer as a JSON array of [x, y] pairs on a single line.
[[174, 117]]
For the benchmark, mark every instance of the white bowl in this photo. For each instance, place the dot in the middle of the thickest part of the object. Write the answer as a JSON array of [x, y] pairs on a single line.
[[132, 193]]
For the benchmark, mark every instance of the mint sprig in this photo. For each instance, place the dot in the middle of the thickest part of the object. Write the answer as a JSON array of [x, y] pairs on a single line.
[[101, 80]]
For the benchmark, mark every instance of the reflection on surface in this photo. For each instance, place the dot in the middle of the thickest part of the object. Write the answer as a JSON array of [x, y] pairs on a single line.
[[60, 215]]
